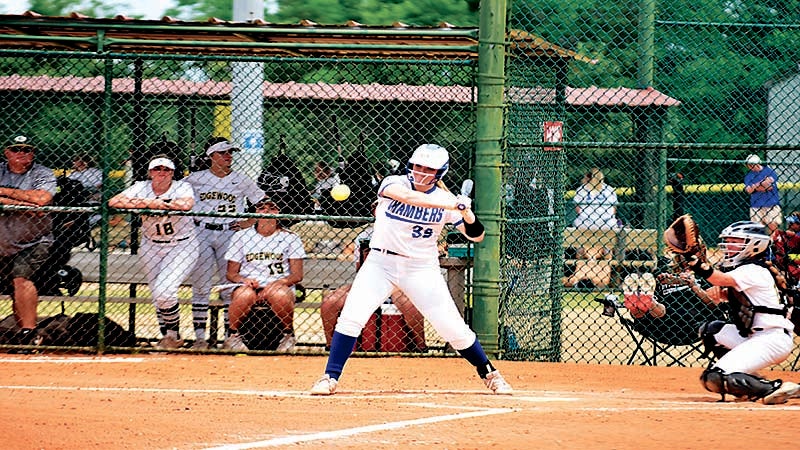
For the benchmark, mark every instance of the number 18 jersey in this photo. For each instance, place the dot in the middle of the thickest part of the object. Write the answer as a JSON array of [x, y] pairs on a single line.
[[163, 227], [411, 231]]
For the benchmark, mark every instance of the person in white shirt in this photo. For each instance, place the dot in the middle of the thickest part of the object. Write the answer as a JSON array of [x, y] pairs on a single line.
[[217, 189], [169, 248], [267, 261], [595, 203], [758, 334], [404, 256]]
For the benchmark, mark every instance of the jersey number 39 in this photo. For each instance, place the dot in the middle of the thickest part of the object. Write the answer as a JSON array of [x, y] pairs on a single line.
[[421, 232]]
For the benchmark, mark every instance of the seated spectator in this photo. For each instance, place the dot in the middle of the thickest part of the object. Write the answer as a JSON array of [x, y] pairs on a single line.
[[26, 236], [595, 203], [333, 302], [786, 246], [91, 178], [267, 260]]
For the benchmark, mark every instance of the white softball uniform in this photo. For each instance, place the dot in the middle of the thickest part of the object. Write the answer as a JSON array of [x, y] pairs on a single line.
[[265, 258], [228, 194], [169, 247], [771, 341], [405, 256]]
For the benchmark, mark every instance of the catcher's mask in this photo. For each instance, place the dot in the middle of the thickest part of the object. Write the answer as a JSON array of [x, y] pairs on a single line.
[[431, 156], [743, 241]]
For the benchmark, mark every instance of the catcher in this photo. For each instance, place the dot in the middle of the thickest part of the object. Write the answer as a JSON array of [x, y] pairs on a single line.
[[760, 333]]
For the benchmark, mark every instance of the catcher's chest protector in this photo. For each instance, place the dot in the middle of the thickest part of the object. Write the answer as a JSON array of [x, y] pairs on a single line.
[[741, 311]]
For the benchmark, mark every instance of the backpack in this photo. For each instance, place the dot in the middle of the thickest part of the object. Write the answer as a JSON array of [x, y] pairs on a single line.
[[83, 330], [261, 329], [70, 229], [283, 183]]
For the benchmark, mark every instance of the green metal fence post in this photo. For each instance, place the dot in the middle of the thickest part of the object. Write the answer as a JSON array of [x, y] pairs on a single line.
[[488, 174]]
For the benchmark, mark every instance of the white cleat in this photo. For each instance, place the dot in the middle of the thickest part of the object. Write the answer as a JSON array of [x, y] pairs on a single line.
[[782, 394], [169, 343], [234, 342], [497, 383], [200, 344], [324, 386], [287, 343]]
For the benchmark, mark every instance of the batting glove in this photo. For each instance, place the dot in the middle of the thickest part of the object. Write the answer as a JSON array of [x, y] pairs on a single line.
[[463, 202]]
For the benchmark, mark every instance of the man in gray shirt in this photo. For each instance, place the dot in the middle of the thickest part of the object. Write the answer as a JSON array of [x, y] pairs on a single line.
[[25, 236]]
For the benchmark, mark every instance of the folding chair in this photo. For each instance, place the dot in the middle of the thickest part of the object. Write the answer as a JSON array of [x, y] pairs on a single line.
[[673, 337]]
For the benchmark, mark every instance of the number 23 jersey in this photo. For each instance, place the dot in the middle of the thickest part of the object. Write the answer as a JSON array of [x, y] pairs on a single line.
[[264, 258], [411, 231]]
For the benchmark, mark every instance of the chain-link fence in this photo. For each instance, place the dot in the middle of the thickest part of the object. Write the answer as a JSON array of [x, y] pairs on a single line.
[[656, 120], [302, 128], [618, 118]]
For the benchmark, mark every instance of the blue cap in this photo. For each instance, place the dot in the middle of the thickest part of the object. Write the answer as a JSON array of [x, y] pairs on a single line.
[[792, 219]]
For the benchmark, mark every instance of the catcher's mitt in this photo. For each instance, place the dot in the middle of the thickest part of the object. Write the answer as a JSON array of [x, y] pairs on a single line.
[[683, 238]]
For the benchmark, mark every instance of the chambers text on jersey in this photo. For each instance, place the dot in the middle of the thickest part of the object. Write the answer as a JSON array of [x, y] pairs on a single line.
[[409, 213]]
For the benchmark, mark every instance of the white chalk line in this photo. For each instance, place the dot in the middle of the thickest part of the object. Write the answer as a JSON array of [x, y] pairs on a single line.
[[471, 411], [347, 432], [540, 397], [72, 360]]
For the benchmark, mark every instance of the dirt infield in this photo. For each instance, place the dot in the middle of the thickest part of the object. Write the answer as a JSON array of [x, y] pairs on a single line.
[[192, 402]]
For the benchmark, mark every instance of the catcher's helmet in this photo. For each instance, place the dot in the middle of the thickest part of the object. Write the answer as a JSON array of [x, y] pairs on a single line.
[[742, 241], [432, 156]]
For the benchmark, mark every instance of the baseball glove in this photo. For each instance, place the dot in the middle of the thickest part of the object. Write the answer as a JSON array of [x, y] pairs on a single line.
[[683, 238]]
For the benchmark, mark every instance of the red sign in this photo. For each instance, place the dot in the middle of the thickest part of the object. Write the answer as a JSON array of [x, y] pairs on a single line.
[[553, 132]]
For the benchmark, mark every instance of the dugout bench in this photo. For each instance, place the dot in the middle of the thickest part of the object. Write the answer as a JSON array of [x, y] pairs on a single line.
[[123, 268], [319, 274]]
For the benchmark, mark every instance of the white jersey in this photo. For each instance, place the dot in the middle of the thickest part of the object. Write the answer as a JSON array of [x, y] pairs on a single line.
[[264, 258], [757, 284], [411, 231], [163, 228], [224, 195]]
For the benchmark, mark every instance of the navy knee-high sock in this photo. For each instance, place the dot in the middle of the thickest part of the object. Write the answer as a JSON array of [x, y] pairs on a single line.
[[477, 357], [341, 348]]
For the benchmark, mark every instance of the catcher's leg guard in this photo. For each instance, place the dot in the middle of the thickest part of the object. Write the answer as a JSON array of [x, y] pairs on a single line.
[[707, 332], [737, 384]]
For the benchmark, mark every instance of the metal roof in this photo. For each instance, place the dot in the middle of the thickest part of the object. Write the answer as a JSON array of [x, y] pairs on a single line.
[[577, 97], [31, 31]]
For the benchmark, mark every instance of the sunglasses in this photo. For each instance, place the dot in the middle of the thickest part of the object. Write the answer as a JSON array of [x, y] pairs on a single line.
[[20, 149], [161, 169], [223, 152]]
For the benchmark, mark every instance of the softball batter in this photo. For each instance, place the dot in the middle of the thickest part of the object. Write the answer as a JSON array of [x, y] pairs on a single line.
[[217, 189], [169, 247], [410, 215]]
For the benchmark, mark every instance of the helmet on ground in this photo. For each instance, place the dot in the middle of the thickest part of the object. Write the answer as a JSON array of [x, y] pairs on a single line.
[[432, 156], [751, 241]]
